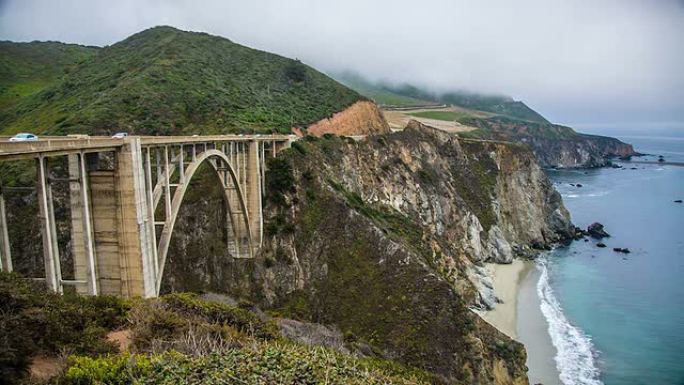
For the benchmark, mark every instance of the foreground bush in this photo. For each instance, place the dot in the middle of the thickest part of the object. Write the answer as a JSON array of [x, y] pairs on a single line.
[[36, 321], [174, 339], [261, 363]]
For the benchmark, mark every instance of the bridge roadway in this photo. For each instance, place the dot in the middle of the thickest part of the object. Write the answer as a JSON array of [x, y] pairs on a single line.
[[119, 235]]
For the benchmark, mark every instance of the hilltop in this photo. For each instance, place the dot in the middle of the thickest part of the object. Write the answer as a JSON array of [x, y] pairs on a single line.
[[167, 81]]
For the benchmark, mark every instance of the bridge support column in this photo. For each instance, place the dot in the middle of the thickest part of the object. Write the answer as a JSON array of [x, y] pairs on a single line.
[[122, 227], [82, 236], [253, 192], [53, 271], [5, 252], [136, 254]]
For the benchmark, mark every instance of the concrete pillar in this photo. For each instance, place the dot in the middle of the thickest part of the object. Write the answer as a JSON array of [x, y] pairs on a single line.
[[5, 252], [82, 238], [253, 192], [150, 209], [135, 246], [77, 236], [53, 272], [106, 218], [121, 226]]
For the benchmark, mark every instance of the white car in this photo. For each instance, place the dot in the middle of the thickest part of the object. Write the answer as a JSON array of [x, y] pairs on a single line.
[[120, 135], [23, 137]]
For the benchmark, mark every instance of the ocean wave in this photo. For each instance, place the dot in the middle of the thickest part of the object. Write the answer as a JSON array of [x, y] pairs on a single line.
[[587, 195], [575, 358]]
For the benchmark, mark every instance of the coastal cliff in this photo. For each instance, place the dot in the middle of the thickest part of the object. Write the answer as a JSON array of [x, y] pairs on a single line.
[[555, 145], [385, 239]]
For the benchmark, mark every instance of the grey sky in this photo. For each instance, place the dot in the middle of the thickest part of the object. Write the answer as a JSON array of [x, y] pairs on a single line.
[[577, 62]]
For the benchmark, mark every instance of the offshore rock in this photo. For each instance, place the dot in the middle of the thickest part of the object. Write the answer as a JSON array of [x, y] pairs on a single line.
[[595, 230]]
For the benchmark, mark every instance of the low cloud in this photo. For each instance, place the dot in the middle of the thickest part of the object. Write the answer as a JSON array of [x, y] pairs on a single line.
[[575, 61]]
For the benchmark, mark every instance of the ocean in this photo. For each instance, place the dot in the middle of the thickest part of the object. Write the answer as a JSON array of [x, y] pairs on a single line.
[[615, 318]]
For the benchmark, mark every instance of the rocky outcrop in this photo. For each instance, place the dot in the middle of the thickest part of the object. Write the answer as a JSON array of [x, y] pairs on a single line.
[[554, 145], [385, 239], [579, 152], [361, 118], [596, 230]]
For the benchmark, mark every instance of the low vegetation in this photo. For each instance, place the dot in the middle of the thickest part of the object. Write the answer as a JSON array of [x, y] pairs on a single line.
[[177, 339], [27, 68]]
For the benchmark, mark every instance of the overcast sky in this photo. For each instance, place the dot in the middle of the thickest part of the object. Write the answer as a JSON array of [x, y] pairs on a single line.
[[588, 63]]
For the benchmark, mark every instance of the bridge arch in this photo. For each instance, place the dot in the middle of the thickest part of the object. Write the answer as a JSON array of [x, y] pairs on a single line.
[[232, 193]]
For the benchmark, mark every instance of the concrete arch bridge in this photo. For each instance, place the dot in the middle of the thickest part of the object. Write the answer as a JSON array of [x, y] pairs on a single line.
[[123, 215]]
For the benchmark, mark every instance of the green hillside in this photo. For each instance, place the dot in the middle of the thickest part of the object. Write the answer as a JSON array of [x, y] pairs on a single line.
[[27, 68], [166, 81], [407, 95], [500, 105]]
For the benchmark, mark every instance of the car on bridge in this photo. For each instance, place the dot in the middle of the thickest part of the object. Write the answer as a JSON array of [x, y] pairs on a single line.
[[120, 135], [23, 137]]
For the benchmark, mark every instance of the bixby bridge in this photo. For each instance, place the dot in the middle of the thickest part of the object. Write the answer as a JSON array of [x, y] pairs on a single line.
[[125, 196]]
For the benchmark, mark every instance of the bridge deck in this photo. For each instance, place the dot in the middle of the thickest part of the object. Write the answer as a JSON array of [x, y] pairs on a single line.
[[63, 145]]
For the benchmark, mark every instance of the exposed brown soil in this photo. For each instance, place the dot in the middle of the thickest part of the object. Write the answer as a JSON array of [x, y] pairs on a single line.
[[122, 338], [44, 368], [361, 118]]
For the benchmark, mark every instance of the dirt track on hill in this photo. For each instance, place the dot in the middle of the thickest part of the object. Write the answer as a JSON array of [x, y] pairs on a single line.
[[397, 120]]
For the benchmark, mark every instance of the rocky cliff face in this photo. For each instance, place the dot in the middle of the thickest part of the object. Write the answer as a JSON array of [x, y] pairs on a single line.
[[581, 151], [385, 239], [555, 145], [361, 118]]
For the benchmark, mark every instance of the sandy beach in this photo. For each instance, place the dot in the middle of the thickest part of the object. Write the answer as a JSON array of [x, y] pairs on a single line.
[[520, 317], [507, 280]]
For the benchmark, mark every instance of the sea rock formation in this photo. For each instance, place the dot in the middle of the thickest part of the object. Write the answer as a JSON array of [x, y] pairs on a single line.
[[596, 230], [385, 239]]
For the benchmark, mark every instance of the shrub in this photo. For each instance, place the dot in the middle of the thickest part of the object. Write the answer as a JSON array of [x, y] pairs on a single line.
[[112, 370], [37, 321], [279, 180]]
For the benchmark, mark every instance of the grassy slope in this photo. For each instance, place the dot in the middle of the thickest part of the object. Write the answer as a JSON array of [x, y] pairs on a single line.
[[166, 81], [27, 68], [448, 116]]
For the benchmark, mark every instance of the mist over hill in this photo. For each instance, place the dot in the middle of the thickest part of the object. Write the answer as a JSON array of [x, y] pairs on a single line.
[[406, 95]]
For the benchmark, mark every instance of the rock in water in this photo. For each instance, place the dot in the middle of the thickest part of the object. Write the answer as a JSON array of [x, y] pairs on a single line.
[[601, 244], [596, 231]]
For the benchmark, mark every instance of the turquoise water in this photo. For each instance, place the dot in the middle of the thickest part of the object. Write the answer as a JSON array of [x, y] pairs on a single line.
[[628, 310]]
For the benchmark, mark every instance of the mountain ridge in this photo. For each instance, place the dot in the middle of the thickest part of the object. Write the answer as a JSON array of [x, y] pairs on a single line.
[[167, 81]]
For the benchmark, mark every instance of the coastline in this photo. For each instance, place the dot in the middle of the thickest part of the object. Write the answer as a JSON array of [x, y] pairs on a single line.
[[520, 317]]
